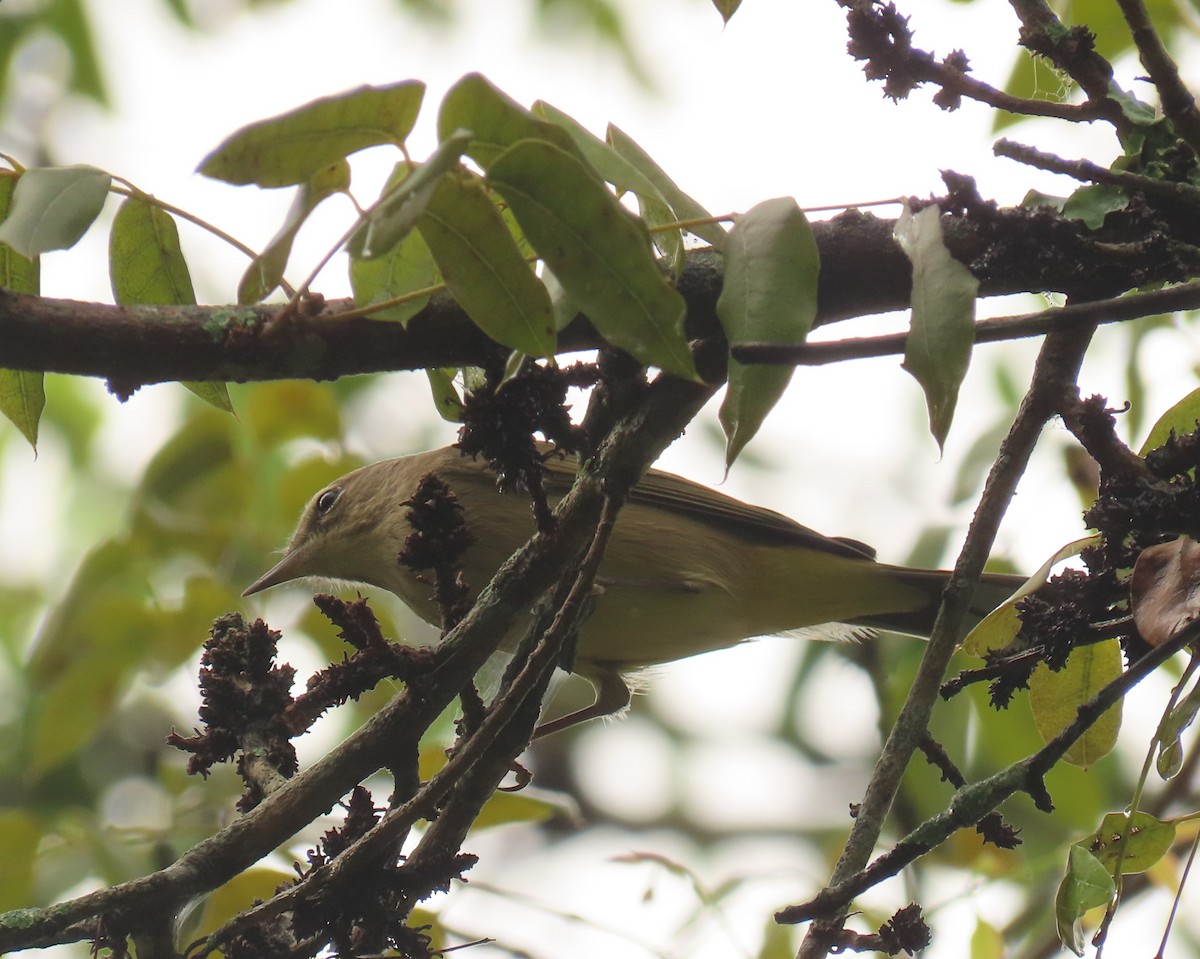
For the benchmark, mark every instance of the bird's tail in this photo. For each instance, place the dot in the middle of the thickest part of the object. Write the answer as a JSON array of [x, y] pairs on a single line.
[[992, 590]]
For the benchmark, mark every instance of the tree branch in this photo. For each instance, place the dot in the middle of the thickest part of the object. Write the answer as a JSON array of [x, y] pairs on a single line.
[[1115, 310], [1008, 250], [634, 443], [1053, 377], [1178, 104]]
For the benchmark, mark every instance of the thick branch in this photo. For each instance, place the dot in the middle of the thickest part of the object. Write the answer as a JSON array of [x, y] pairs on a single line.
[[862, 272]]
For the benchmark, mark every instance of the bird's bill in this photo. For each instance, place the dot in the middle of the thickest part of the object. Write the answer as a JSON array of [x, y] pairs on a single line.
[[289, 568]]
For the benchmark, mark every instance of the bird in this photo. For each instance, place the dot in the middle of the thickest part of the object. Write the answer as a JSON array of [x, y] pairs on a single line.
[[687, 569]]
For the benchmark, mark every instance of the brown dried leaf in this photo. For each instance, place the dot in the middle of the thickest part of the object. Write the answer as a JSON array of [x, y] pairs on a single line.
[[1165, 591]]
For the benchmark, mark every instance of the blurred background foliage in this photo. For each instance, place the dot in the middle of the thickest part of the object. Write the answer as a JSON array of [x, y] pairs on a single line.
[[100, 655]]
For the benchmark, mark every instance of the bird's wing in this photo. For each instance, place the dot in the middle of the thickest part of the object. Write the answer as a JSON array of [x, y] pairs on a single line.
[[752, 523]]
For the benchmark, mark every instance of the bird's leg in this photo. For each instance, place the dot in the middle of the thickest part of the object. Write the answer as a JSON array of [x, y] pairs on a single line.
[[612, 695]]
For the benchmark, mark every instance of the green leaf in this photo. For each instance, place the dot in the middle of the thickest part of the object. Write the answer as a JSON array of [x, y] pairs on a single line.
[[1092, 203], [266, 270], [1170, 732], [483, 268], [1181, 418], [68, 20], [1055, 698], [599, 251], [22, 399], [445, 394], [404, 269], [626, 177], [495, 119], [295, 146], [606, 161], [22, 395], [20, 835], [21, 274], [769, 294], [682, 205], [404, 201], [942, 331], [1137, 841], [146, 264], [146, 267], [1086, 885], [52, 208]]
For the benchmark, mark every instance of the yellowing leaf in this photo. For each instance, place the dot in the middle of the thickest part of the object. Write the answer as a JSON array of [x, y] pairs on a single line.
[[1055, 698], [1002, 624], [1137, 841]]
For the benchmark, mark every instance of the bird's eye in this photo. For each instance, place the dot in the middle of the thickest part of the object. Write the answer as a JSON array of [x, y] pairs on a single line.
[[326, 500]]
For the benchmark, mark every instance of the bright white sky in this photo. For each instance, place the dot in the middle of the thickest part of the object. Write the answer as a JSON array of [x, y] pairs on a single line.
[[770, 105]]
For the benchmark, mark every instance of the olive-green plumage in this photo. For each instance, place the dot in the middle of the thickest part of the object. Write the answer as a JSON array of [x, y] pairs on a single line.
[[687, 569]]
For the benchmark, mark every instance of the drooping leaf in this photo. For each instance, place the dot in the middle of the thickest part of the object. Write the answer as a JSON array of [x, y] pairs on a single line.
[[769, 295], [598, 250], [265, 271], [294, 147], [404, 202], [495, 119], [483, 269], [22, 395], [1055, 698], [1086, 885], [726, 8], [146, 267], [1169, 734], [22, 400], [1137, 841], [942, 332], [682, 205], [52, 207]]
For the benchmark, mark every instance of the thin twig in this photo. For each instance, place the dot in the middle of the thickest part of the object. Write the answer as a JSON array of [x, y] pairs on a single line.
[[973, 801], [1186, 296], [1054, 376], [1178, 104], [1088, 171]]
